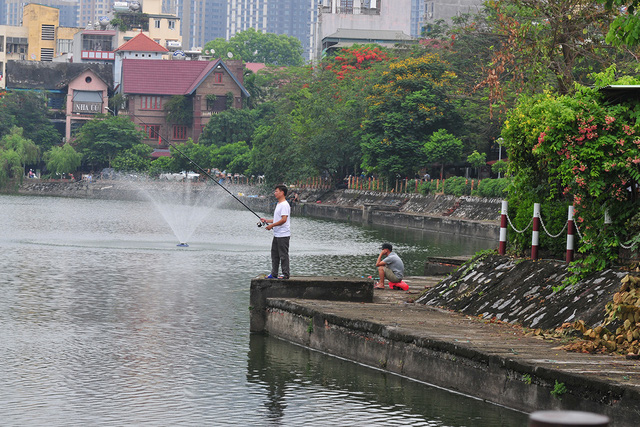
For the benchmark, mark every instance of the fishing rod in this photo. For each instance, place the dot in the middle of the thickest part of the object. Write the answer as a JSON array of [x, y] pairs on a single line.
[[200, 168]]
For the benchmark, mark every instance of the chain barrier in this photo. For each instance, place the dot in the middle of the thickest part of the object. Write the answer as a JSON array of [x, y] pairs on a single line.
[[622, 245], [578, 230], [515, 229], [551, 235]]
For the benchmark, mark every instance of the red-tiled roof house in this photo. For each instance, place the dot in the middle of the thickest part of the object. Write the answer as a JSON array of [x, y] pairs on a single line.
[[147, 86]]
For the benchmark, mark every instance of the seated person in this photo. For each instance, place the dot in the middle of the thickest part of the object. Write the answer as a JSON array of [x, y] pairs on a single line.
[[390, 266]]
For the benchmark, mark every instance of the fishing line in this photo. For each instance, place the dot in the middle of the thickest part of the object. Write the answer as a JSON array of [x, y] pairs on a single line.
[[201, 169]]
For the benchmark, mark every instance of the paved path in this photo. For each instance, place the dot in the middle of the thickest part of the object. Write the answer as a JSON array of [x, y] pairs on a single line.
[[396, 308]]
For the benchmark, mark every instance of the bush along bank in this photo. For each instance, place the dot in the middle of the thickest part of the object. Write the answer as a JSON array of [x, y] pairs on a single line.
[[599, 313]]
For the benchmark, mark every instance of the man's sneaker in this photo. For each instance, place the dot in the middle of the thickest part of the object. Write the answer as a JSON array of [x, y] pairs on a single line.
[[271, 276], [282, 276]]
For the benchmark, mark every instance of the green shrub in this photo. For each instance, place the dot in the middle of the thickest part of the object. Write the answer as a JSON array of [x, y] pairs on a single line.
[[492, 187], [427, 187], [457, 186]]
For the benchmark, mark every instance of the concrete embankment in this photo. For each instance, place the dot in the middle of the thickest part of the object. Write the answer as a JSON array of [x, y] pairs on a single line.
[[483, 357], [466, 216]]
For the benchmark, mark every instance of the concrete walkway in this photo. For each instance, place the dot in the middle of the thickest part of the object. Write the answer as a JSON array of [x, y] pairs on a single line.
[[492, 361]]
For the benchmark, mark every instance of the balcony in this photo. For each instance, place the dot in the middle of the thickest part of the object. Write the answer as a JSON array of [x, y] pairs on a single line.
[[103, 55]]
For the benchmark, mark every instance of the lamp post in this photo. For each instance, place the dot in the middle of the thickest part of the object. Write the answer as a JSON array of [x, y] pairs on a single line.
[[499, 141]]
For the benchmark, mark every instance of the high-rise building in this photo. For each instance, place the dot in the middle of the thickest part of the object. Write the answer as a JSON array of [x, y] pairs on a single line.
[[3, 13], [206, 20], [92, 10], [11, 11]]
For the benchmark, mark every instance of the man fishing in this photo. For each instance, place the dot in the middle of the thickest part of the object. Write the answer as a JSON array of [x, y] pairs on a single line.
[[281, 234]]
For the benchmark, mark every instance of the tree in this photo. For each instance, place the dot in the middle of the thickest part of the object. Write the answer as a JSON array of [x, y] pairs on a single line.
[[581, 150], [29, 111], [100, 140], [442, 148], [10, 167], [185, 155], [61, 160], [137, 158], [26, 149], [275, 154], [468, 45], [547, 44], [625, 28], [230, 126], [477, 160], [236, 154], [163, 165], [179, 110], [411, 102], [254, 46]]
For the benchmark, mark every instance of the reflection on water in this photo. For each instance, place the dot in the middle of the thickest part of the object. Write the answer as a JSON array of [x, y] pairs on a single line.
[[335, 391], [106, 322]]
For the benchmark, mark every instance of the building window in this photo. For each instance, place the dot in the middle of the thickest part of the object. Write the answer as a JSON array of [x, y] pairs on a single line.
[[55, 101], [64, 46], [48, 32], [151, 103], [96, 42], [172, 25], [217, 78], [179, 132], [76, 125], [216, 103], [157, 23], [46, 54], [152, 132], [346, 6]]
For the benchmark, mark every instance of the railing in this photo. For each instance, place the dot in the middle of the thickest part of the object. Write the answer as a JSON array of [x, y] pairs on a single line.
[[98, 54], [536, 222]]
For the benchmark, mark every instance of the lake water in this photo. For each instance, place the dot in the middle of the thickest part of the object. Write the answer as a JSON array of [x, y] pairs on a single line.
[[104, 321]]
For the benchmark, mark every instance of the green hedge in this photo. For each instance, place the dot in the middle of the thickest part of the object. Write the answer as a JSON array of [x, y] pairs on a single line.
[[492, 187], [459, 186]]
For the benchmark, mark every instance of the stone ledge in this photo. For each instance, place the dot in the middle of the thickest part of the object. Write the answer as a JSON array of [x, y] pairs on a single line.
[[353, 289], [460, 353]]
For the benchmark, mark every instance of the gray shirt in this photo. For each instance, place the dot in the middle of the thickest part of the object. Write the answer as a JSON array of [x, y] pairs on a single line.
[[396, 265]]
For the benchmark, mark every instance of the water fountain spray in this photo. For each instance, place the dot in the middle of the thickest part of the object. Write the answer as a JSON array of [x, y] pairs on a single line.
[[260, 223], [201, 169]]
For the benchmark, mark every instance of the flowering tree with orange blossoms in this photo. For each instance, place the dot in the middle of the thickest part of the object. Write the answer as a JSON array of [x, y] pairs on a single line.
[[583, 150], [355, 58], [410, 103]]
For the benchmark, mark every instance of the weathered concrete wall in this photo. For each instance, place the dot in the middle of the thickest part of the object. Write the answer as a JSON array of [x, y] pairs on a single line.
[[496, 377], [467, 216], [521, 291], [80, 189], [323, 288]]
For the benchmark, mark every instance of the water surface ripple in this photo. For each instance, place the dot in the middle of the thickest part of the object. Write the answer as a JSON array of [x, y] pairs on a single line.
[[104, 321]]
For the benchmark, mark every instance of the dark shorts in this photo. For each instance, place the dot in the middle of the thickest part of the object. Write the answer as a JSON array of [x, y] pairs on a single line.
[[391, 276]]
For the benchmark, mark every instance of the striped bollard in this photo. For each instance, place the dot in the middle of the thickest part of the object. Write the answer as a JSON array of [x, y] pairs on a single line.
[[535, 235], [502, 247], [571, 228]]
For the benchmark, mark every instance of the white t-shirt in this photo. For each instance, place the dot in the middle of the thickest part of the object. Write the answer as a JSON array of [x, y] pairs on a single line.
[[283, 230]]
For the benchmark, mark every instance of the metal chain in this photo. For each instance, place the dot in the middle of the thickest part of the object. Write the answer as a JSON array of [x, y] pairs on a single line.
[[515, 229], [549, 234], [578, 230], [623, 246]]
